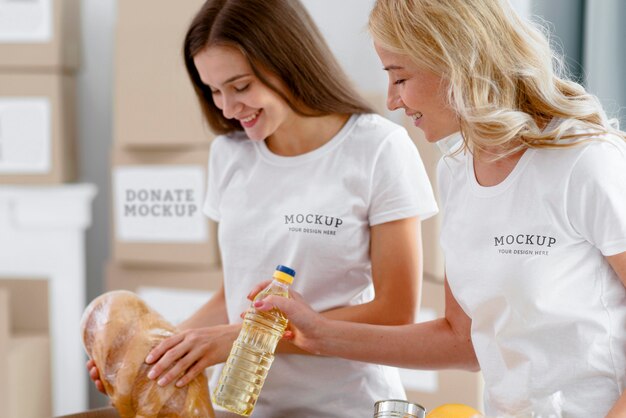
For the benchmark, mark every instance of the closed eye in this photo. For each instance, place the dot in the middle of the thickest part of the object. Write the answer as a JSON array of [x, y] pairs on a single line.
[[241, 89], [398, 82]]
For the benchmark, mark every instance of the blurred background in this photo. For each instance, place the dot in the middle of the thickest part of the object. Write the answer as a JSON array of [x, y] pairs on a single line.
[[103, 162]]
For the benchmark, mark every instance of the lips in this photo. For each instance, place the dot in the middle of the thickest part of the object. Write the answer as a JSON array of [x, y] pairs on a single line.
[[417, 116], [250, 120]]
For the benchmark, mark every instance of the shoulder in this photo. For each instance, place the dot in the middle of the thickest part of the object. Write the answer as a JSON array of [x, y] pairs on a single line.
[[602, 156], [376, 126], [374, 134], [586, 147], [597, 154], [453, 164]]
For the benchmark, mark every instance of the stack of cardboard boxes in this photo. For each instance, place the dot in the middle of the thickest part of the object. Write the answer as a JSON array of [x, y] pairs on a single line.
[[24, 349], [164, 247], [39, 57]]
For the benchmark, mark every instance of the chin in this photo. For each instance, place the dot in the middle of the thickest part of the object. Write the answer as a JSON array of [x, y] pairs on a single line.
[[255, 136], [430, 137]]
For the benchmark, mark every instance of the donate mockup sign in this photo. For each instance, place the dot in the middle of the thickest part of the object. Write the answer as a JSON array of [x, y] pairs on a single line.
[[159, 204]]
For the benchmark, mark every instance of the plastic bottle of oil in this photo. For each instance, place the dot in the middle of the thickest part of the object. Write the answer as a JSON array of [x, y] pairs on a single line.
[[252, 354]]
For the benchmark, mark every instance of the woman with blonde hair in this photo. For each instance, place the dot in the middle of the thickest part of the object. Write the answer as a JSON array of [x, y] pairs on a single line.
[[533, 191], [302, 174]]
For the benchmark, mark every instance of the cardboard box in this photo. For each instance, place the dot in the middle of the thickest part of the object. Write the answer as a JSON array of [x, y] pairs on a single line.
[[433, 388], [37, 128], [377, 101], [157, 209], [28, 304], [154, 101], [42, 35], [175, 294], [134, 278], [24, 357]]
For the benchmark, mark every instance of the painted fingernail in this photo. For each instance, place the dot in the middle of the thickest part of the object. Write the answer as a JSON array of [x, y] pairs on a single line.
[[258, 303], [149, 358], [152, 374], [162, 382]]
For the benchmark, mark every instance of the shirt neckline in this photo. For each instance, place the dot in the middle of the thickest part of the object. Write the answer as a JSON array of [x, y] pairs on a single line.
[[281, 160], [487, 191]]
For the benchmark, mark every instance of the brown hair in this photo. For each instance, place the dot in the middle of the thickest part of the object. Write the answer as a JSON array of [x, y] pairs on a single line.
[[277, 37]]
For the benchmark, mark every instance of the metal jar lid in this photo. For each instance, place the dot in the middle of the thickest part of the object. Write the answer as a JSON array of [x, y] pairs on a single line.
[[398, 408]]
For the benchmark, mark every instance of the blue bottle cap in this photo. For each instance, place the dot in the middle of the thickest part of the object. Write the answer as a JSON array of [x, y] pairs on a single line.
[[286, 269]]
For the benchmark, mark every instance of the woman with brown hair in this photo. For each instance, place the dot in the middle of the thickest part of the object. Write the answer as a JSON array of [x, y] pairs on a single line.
[[302, 174]]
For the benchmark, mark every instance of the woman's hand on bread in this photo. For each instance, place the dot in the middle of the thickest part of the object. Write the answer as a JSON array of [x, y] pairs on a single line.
[[182, 357], [94, 375]]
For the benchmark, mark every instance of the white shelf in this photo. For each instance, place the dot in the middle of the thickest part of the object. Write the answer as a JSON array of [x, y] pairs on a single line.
[[42, 236]]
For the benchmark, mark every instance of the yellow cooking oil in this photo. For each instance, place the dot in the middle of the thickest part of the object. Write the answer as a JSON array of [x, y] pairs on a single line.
[[252, 354]]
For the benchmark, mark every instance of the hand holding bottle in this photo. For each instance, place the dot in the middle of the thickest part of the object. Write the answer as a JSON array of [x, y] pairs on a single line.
[[252, 353], [304, 323]]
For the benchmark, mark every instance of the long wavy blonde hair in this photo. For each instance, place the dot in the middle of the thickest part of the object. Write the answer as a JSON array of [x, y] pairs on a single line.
[[505, 82]]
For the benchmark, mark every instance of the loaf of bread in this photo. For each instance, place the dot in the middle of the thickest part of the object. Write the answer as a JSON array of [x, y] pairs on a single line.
[[119, 330]]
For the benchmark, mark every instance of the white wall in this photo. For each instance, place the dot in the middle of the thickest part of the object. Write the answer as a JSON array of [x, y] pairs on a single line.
[[604, 57], [95, 86], [523, 7], [344, 25]]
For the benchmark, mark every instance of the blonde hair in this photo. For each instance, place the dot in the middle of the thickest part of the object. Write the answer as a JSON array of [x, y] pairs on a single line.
[[505, 83]]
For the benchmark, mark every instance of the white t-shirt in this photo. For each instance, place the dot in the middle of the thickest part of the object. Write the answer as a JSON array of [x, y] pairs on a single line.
[[313, 213], [525, 259]]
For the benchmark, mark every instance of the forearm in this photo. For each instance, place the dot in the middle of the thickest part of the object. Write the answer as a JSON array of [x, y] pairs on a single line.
[[375, 312], [427, 345], [369, 313], [619, 409]]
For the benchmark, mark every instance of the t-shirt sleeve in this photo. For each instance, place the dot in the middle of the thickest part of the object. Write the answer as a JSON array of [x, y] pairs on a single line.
[[400, 185], [596, 196], [214, 181]]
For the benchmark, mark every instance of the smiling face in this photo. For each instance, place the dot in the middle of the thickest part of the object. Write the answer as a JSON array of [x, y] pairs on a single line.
[[239, 93], [421, 93]]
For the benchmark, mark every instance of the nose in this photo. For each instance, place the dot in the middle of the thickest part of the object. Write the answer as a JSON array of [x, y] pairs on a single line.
[[230, 106], [393, 99]]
